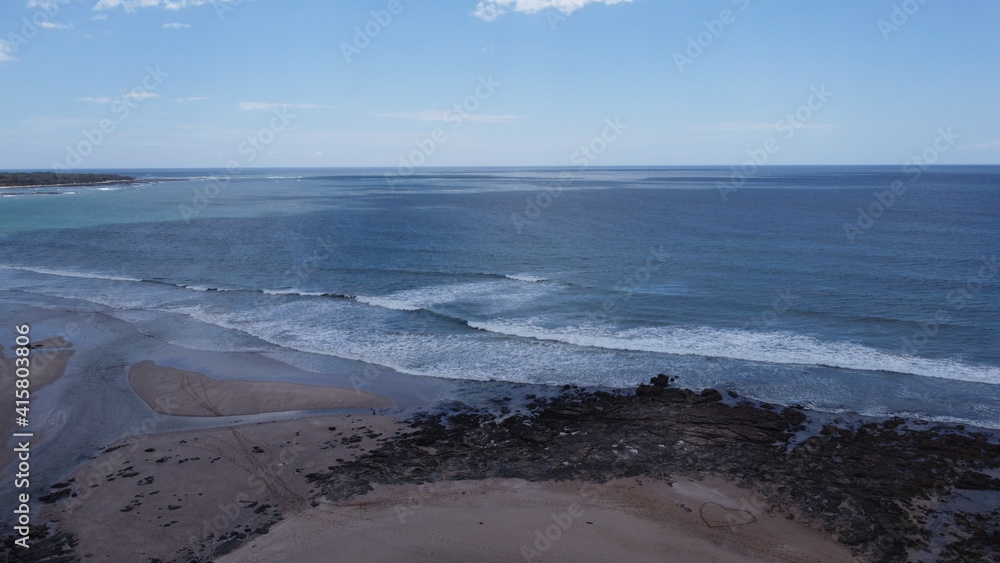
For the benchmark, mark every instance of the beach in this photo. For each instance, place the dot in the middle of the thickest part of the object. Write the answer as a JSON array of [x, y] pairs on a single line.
[[187, 393], [499, 280], [658, 473], [308, 360]]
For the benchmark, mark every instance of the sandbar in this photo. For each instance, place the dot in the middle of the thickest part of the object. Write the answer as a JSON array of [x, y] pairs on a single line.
[[48, 363], [189, 393]]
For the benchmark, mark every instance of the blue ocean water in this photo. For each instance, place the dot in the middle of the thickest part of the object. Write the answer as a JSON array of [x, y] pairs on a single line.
[[846, 289]]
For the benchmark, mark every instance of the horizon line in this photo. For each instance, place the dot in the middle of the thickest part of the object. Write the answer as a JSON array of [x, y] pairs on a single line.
[[507, 166]]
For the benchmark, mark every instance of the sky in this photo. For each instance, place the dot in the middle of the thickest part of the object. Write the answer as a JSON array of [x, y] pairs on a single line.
[[94, 84]]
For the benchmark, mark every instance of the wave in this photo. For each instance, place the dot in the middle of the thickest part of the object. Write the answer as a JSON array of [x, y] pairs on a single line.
[[202, 287], [765, 347], [298, 292], [489, 297], [71, 273], [387, 303], [162, 282], [275, 292], [525, 278]]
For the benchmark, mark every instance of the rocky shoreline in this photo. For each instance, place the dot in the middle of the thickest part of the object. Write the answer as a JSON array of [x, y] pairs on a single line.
[[891, 490], [881, 487]]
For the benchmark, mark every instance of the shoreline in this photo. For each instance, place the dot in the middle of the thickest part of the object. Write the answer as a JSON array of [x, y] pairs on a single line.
[[197, 487], [843, 492]]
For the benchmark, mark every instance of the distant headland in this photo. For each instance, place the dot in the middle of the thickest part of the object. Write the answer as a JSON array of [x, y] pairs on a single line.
[[45, 179]]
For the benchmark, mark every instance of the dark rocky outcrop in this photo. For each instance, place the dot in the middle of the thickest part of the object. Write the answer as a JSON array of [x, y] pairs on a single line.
[[864, 481]]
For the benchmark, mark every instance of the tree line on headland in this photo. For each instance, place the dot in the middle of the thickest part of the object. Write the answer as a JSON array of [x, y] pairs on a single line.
[[56, 179]]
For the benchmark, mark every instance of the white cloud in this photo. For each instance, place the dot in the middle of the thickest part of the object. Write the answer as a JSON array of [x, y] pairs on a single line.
[[131, 5], [137, 95], [102, 17], [176, 25], [140, 95], [981, 146], [437, 115], [47, 5], [6, 52], [54, 25], [490, 10], [251, 106], [190, 99]]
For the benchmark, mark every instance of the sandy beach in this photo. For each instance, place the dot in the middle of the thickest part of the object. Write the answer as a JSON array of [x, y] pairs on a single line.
[[637, 519], [186, 495], [658, 473], [252, 492], [189, 393]]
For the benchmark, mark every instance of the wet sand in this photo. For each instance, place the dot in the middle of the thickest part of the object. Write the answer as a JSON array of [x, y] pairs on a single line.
[[48, 363], [243, 493], [190, 393]]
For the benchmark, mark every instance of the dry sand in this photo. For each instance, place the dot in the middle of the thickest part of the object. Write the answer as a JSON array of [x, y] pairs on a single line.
[[514, 520], [204, 492], [181, 392]]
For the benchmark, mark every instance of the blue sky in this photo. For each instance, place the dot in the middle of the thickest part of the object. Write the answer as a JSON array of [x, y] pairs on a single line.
[[201, 83]]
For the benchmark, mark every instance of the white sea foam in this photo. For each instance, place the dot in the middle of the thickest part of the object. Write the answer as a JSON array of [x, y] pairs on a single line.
[[768, 347], [492, 297], [70, 273], [294, 292], [525, 278], [388, 303]]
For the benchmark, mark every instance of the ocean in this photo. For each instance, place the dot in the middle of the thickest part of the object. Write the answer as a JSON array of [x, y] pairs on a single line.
[[858, 289]]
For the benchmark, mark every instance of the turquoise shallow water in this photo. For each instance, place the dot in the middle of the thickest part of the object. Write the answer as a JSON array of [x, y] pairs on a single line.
[[810, 285]]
